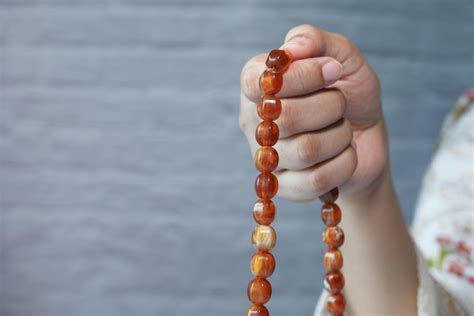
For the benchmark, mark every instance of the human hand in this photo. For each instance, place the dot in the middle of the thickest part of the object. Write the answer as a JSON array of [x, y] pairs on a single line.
[[332, 131]]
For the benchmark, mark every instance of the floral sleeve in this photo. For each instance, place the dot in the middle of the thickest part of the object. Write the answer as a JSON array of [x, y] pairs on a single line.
[[443, 225]]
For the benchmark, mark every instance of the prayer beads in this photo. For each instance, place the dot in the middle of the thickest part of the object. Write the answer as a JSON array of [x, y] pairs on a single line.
[[262, 263], [333, 236]]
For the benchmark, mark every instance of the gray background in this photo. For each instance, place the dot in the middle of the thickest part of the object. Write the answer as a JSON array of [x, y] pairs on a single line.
[[126, 186]]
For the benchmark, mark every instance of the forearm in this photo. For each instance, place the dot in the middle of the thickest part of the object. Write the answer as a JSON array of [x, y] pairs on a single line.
[[379, 256]]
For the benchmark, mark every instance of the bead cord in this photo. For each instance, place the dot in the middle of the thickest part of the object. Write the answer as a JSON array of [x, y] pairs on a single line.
[[333, 237], [262, 263]]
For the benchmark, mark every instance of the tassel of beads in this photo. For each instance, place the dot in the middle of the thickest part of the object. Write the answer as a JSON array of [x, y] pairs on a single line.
[[262, 263], [333, 237]]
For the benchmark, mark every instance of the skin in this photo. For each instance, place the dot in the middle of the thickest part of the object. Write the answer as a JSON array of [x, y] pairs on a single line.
[[332, 133]]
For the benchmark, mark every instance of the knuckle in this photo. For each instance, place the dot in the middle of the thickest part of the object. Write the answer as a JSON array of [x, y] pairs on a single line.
[[319, 181], [304, 30], [341, 103], [243, 122], [348, 46], [353, 162], [347, 129], [286, 120], [307, 149], [249, 80]]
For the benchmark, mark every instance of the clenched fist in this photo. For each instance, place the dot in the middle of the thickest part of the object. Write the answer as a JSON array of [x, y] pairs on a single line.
[[331, 127]]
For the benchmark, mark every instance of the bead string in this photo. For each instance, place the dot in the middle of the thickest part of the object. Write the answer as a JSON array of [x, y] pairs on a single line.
[[333, 237], [262, 263]]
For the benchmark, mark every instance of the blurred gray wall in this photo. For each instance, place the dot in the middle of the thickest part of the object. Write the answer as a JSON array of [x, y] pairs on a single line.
[[126, 186]]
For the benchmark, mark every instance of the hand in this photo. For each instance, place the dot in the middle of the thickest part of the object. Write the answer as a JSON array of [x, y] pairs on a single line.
[[332, 131]]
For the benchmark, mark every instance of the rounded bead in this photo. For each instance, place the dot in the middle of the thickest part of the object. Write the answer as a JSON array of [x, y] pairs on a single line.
[[271, 82], [278, 60], [336, 304], [262, 264], [266, 185], [333, 236], [264, 237], [331, 214], [264, 212], [258, 310], [334, 282], [269, 107], [331, 196], [259, 291], [333, 260], [266, 159], [267, 133]]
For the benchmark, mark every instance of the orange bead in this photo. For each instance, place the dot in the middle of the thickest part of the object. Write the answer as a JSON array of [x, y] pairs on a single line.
[[271, 82], [336, 304], [266, 185], [264, 212], [258, 310], [334, 282], [333, 236], [266, 159], [269, 107], [259, 291], [331, 214], [262, 264], [264, 237], [278, 60], [267, 133], [333, 260], [331, 196]]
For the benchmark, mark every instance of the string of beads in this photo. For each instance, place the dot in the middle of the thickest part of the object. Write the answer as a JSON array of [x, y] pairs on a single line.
[[262, 263], [333, 237]]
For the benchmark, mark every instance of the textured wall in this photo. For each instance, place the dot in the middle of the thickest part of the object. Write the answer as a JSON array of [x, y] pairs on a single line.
[[126, 185]]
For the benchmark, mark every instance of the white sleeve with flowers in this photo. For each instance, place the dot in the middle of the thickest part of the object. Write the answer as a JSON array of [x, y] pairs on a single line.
[[443, 225]]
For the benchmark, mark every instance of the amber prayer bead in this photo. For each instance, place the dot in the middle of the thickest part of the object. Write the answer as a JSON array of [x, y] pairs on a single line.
[[333, 236], [262, 263]]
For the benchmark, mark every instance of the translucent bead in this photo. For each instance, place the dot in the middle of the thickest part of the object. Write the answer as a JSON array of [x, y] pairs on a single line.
[[267, 133], [333, 236], [331, 214], [271, 82], [278, 60], [264, 237], [336, 304], [262, 264], [258, 310], [259, 291], [269, 107], [264, 212], [266, 159], [333, 260], [334, 282], [266, 185], [331, 196]]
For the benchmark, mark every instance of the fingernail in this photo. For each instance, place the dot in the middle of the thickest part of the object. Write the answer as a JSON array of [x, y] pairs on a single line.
[[332, 71]]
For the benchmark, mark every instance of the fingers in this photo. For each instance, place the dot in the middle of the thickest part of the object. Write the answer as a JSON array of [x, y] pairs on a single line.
[[301, 78], [308, 184], [306, 41], [298, 115], [310, 112], [305, 150]]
